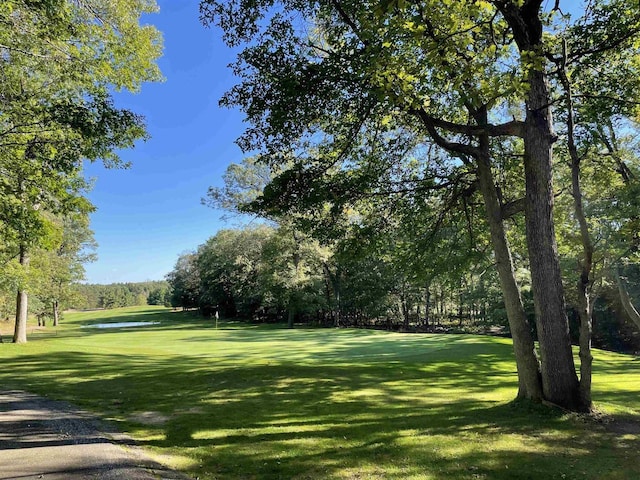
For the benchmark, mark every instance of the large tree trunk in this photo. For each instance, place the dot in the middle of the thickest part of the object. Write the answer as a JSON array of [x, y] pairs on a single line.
[[586, 327], [22, 300], [523, 345], [529, 384], [559, 380], [584, 302]]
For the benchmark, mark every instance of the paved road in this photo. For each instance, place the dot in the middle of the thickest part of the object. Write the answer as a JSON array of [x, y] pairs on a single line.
[[50, 440]]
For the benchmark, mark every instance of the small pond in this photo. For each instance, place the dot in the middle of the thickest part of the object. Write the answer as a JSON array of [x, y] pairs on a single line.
[[120, 324]]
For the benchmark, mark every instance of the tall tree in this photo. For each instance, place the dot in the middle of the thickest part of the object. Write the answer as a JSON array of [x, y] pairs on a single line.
[[452, 73], [229, 264], [60, 60], [184, 282], [58, 268]]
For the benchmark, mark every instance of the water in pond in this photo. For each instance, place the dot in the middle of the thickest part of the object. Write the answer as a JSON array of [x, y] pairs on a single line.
[[120, 324]]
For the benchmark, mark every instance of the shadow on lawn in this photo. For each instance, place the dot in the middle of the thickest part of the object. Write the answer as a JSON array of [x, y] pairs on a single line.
[[383, 420]]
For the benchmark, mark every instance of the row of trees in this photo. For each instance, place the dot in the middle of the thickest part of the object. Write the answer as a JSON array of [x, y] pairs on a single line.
[[495, 126], [277, 273], [60, 61], [53, 270], [89, 296]]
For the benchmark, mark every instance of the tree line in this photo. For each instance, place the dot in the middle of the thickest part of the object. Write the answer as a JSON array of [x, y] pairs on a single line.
[[92, 296], [271, 273]]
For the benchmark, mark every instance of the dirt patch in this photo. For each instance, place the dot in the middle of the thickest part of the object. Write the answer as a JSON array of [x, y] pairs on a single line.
[[624, 426], [149, 418]]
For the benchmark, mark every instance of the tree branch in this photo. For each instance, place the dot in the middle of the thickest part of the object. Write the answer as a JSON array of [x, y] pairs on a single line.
[[461, 149], [603, 47], [346, 19], [514, 128], [512, 208]]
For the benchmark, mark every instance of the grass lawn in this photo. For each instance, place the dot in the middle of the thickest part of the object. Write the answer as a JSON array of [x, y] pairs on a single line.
[[263, 402]]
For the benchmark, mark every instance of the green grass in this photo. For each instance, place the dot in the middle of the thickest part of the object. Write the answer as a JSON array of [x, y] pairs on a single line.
[[263, 402]]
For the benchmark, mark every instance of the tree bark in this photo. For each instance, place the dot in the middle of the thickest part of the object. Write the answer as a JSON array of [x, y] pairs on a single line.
[[528, 366], [22, 301], [559, 380], [56, 313], [586, 263]]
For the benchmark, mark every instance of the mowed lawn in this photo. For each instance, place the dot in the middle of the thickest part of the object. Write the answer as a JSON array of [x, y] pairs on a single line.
[[264, 402]]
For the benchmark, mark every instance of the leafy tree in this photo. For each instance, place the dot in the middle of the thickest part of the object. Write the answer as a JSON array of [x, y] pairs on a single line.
[[157, 296], [445, 71], [292, 272], [54, 271], [229, 264], [60, 60], [184, 282], [292, 265]]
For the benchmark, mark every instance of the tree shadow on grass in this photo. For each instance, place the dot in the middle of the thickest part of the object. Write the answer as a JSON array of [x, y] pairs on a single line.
[[434, 416]]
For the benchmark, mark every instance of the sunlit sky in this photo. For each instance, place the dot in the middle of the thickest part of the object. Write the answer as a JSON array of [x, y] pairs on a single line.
[[149, 214]]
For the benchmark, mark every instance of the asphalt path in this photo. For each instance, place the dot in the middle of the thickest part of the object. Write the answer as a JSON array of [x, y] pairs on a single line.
[[51, 440]]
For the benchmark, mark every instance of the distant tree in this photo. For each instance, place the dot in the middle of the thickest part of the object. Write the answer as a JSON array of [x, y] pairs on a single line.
[[229, 265], [184, 282], [87, 296], [157, 296], [292, 272], [56, 270]]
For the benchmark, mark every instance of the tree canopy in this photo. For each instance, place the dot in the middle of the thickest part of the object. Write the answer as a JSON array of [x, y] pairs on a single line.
[[344, 95]]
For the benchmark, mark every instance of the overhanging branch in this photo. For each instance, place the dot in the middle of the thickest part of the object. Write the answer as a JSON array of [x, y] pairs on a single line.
[[514, 128], [461, 149]]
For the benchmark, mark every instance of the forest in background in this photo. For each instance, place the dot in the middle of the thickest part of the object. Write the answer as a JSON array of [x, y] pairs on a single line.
[[276, 274], [87, 296], [90, 296]]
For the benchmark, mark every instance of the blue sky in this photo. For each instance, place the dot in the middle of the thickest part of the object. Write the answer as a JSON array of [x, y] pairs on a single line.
[[149, 214]]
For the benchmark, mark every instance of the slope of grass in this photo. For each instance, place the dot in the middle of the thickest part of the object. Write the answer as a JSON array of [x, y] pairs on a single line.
[[262, 402]]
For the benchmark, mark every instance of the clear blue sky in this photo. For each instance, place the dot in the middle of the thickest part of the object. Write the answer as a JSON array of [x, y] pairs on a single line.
[[149, 214]]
